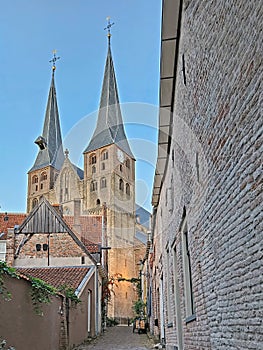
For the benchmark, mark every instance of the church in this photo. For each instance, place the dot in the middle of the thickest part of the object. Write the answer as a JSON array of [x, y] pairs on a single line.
[[105, 187]]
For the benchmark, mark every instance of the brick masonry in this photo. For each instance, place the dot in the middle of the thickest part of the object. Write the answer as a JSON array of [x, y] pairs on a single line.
[[215, 172]]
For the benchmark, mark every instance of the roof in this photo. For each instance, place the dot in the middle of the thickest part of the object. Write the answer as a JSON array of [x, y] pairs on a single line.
[[58, 276], [143, 216], [10, 220], [91, 227], [50, 143], [44, 218], [109, 128]]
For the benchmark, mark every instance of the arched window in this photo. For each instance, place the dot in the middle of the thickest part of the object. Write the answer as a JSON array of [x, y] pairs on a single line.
[[120, 167], [103, 182], [103, 166], [34, 202], [121, 185], [93, 169], [128, 190], [98, 202], [35, 179], [43, 176], [104, 155], [128, 164], [92, 159], [93, 186]]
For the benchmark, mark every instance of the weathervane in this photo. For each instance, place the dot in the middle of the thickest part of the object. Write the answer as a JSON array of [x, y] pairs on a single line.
[[53, 60], [109, 27]]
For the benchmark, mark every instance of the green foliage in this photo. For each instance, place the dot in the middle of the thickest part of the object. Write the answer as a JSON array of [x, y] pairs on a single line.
[[3, 345], [139, 307], [111, 322], [40, 293], [8, 271], [69, 293]]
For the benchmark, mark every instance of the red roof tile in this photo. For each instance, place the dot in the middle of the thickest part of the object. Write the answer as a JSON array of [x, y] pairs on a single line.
[[9, 221], [57, 276], [91, 226]]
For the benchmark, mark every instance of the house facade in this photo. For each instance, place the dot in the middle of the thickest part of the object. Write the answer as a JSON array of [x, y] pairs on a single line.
[[205, 261]]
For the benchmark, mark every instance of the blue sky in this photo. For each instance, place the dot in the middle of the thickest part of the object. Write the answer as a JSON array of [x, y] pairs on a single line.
[[29, 32]]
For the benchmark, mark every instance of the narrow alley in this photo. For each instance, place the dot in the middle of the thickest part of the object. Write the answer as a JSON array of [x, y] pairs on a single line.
[[121, 338]]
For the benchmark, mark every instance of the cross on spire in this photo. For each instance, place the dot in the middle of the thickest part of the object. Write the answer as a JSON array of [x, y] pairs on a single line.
[[53, 60], [109, 27]]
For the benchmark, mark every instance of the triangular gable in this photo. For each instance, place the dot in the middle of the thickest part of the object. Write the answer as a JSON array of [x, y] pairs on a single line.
[[45, 219]]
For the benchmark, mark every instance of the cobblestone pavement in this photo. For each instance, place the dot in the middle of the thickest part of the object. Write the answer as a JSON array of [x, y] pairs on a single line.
[[121, 338]]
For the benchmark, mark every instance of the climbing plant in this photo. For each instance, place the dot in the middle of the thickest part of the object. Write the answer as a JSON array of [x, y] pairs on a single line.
[[8, 271], [40, 293]]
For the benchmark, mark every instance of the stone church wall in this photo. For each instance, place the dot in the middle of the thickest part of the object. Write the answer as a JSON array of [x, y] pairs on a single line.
[[214, 181]]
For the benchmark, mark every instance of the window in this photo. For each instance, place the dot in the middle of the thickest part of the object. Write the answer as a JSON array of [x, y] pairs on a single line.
[[36, 189], [103, 166], [128, 190], [103, 182], [45, 247], [128, 165], [93, 169], [92, 159], [34, 179], [121, 167], [188, 286], [104, 155], [43, 176], [98, 202], [121, 185], [168, 291], [38, 247], [93, 186], [41, 186]]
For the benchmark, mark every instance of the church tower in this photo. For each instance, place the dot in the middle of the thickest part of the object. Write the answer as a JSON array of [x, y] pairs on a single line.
[[43, 174], [109, 179]]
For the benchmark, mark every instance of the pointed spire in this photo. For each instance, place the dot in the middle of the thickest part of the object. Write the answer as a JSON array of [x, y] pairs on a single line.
[[109, 128], [50, 142]]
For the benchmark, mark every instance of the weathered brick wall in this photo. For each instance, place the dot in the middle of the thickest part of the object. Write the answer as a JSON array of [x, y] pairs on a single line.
[[215, 172]]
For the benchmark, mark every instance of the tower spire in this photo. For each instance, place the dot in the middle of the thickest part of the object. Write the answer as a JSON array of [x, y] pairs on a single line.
[[109, 128], [50, 142]]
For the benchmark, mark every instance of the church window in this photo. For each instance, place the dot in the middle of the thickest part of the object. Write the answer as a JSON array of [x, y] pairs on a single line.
[[98, 202], [104, 155], [43, 176], [120, 167], [36, 188], [93, 170], [92, 159], [121, 185], [103, 182], [93, 186], [103, 166], [128, 189], [34, 202], [128, 164], [41, 186], [35, 179]]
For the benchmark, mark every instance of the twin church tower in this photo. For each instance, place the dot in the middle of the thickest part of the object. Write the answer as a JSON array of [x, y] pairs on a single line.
[[107, 180]]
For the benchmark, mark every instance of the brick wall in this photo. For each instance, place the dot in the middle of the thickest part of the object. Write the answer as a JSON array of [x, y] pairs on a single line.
[[215, 172]]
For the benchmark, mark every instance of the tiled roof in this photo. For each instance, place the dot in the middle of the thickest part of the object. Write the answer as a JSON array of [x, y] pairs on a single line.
[[57, 276], [91, 227], [9, 220]]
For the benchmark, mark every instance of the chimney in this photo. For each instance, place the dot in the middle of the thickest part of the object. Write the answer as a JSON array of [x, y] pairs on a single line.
[[76, 217]]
